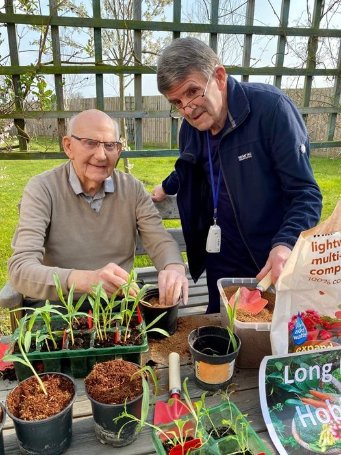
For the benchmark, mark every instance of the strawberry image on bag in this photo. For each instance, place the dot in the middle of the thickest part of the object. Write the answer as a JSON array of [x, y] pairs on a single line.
[[307, 314]]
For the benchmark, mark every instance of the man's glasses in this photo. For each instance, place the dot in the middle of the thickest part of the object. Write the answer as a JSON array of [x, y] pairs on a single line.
[[92, 144], [177, 107]]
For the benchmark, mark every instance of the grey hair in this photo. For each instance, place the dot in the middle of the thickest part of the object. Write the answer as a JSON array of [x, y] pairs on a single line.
[[74, 118], [181, 58]]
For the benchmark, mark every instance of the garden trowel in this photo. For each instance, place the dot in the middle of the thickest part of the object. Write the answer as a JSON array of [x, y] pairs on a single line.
[[174, 408], [251, 300]]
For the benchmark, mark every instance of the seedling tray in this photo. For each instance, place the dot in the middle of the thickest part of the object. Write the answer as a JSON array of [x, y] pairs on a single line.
[[79, 362], [226, 411]]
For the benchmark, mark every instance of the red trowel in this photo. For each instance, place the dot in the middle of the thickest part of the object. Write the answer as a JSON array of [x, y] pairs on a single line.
[[174, 408], [251, 300]]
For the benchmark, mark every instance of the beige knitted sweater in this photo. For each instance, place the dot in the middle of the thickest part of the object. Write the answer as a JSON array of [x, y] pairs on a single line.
[[58, 232]]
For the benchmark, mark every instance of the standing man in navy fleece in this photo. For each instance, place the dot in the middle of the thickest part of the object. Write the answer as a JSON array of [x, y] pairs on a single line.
[[245, 187]]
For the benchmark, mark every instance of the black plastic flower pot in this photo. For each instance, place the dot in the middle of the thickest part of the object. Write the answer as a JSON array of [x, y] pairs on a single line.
[[51, 436], [167, 322], [213, 356], [110, 432], [2, 423]]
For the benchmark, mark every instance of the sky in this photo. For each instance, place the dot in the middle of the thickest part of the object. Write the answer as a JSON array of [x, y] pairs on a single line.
[[263, 48]]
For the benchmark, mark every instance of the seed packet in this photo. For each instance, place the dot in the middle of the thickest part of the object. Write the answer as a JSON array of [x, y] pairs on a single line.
[[307, 313]]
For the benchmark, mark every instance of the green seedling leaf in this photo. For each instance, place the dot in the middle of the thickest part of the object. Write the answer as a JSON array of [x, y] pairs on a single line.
[[145, 402], [154, 321], [27, 341], [59, 290], [161, 331], [13, 358], [80, 302]]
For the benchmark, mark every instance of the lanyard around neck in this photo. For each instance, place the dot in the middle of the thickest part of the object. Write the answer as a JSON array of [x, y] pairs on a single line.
[[215, 188]]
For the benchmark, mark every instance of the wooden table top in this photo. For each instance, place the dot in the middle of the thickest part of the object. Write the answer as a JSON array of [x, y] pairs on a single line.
[[84, 441]]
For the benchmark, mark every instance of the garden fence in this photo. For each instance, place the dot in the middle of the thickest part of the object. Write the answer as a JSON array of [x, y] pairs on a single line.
[[141, 115]]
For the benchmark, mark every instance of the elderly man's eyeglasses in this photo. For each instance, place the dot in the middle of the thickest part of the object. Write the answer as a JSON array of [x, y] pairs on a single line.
[[92, 144], [177, 107]]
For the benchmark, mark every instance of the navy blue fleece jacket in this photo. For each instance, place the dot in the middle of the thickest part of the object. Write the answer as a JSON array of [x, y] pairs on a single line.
[[264, 157]]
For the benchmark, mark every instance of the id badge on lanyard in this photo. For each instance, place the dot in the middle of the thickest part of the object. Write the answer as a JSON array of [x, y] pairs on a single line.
[[213, 241]]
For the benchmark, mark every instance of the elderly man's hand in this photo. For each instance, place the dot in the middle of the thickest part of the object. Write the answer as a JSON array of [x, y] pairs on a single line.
[[173, 284], [111, 276], [158, 194], [276, 261]]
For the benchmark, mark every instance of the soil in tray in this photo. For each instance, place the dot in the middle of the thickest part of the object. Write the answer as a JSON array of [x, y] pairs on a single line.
[[112, 383], [134, 339], [28, 402], [48, 346], [33, 348], [133, 324], [168, 445], [81, 323], [263, 316], [81, 341], [220, 432]]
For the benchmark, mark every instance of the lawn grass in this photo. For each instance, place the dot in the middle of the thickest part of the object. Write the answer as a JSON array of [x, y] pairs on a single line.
[[328, 175], [151, 171]]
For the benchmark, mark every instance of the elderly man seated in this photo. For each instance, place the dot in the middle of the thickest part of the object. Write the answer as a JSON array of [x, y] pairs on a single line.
[[80, 220]]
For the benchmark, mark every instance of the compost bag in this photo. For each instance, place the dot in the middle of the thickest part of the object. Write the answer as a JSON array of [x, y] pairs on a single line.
[[307, 313]]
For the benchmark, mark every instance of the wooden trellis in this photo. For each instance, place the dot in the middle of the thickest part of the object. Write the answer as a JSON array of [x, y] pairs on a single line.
[[176, 27]]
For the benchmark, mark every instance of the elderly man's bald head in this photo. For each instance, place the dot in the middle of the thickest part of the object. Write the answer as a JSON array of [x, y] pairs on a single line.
[[93, 146], [91, 117]]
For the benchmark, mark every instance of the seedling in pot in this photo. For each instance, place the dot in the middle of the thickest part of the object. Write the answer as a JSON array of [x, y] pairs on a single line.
[[103, 314], [241, 429], [149, 328], [142, 421], [223, 423], [45, 313], [121, 307], [132, 295], [23, 337], [71, 307], [199, 412], [231, 310], [112, 309], [181, 430], [230, 428]]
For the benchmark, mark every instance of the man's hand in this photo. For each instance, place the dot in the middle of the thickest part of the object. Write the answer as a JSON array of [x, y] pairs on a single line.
[[173, 284], [276, 261], [111, 276], [158, 194]]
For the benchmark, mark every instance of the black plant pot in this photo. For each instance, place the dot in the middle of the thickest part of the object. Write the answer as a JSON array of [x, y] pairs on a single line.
[[213, 356], [168, 321], [107, 431], [2, 423], [51, 436]]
